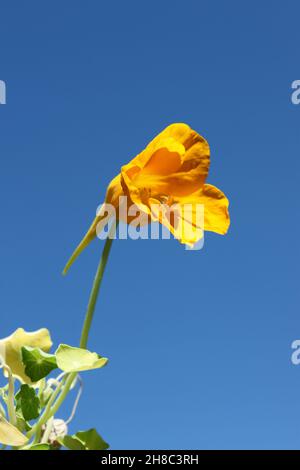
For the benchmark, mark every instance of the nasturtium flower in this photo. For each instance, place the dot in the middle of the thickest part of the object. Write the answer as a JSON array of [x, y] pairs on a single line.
[[171, 170], [11, 349]]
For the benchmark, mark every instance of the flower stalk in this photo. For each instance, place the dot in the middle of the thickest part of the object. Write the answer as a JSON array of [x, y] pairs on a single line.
[[11, 396], [96, 288], [62, 390]]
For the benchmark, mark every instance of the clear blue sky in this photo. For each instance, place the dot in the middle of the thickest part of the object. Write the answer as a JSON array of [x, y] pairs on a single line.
[[199, 342]]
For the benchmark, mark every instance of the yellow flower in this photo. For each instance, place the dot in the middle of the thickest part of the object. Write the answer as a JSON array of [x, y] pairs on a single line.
[[171, 170], [11, 349]]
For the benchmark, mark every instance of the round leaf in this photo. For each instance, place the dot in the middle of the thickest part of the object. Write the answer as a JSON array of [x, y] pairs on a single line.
[[38, 364], [70, 359]]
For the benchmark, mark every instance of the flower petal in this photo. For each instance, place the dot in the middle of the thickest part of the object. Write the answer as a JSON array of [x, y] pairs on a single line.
[[160, 168], [216, 215], [166, 159], [189, 216], [182, 220]]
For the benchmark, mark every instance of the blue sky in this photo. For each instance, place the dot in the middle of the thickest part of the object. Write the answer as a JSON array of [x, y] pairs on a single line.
[[199, 342]]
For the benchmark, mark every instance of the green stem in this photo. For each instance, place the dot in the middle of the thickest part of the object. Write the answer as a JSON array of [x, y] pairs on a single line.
[[11, 397], [47, 432], [95, 292], [64, 393], [36, 430], [52, 410]]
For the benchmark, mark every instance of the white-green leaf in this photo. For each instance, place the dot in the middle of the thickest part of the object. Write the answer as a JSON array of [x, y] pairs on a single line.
[[10, 435], [70, 359]]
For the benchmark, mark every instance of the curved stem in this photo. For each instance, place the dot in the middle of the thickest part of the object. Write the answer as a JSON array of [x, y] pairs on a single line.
[[11, 397], [52, 407], [89, 314], [46, 414], [75, 404], [48, 430], [95, 289], [63, 394]]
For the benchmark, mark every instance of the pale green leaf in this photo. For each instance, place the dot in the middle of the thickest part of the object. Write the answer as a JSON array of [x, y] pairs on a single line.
[[10, 435], [70, 359], [10, 349]]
